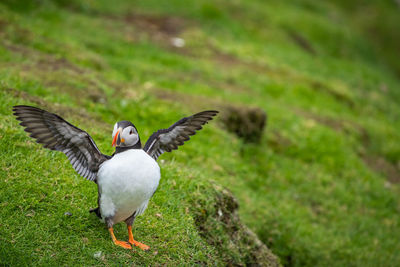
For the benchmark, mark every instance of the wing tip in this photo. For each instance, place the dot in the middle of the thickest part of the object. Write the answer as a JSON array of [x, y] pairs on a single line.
[[20, 110], [213, 112], [19, 107]]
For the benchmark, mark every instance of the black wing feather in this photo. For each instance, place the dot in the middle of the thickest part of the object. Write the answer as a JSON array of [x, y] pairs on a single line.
[[166, 140], [55, 133]]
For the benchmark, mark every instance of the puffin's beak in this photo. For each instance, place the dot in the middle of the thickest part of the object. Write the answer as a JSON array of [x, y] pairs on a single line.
[[116, 140]]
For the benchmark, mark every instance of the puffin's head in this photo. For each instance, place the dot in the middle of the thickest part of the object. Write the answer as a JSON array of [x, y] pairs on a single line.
[[125, 135]]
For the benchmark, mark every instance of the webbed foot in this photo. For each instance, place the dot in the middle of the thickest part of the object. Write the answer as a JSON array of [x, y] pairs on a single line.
[[134, 242]]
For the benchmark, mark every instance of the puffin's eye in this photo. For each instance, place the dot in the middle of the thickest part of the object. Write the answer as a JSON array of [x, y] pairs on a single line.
[[131, 132]]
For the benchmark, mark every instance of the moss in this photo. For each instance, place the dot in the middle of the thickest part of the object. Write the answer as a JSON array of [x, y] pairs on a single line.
[[220, 226]]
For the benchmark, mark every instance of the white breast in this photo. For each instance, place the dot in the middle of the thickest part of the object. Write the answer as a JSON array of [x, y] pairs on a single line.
[[126, 183]]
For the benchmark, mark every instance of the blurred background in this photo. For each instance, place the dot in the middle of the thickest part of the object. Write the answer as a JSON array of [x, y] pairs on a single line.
[[301, 168]]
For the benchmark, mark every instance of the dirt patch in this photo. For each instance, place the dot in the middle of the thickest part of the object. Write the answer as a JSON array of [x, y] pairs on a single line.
[[378, 163], [318, 86], [20, 49], [166, 25], [54, 64], [3, 26], [220, 226], [162, 30], [16, 34], [277, 142], [301, 41], [381, 165]]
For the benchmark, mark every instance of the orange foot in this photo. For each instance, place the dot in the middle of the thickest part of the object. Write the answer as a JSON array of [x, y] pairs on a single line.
[[123, 244], [118, 242], [140, 245], [134, 242]]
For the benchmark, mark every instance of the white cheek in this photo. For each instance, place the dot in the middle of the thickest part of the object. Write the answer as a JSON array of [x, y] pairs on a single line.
[[132, 139], [129, 139]]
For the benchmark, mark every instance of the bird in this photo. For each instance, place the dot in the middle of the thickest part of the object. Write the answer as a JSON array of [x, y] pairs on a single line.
[[128, 178]]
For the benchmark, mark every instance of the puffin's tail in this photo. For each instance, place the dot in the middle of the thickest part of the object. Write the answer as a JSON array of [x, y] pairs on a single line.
[[97, 211]]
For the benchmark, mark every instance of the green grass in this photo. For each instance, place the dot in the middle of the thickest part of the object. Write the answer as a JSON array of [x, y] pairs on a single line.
[[321, 188]]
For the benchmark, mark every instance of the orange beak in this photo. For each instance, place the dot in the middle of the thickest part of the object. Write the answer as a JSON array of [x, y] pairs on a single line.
[[116, 137]]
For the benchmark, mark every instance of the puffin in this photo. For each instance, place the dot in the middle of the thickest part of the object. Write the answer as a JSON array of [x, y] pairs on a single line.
[[128, 178]]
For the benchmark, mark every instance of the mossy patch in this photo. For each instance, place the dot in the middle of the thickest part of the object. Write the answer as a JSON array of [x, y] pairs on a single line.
[[247, 123], [219, 225]]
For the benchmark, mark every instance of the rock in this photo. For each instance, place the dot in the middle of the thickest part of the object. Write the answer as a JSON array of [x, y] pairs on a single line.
[[97, 254], [178, 42]]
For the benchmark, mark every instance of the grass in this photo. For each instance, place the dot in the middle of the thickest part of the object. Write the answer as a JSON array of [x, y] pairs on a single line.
[[321, 188]]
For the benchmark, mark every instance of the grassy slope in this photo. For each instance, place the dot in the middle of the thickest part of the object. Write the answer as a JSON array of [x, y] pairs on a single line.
[[306, 190]]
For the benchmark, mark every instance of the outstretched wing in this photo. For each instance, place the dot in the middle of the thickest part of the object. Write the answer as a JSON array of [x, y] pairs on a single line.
[[57, 134], [169, 139]]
